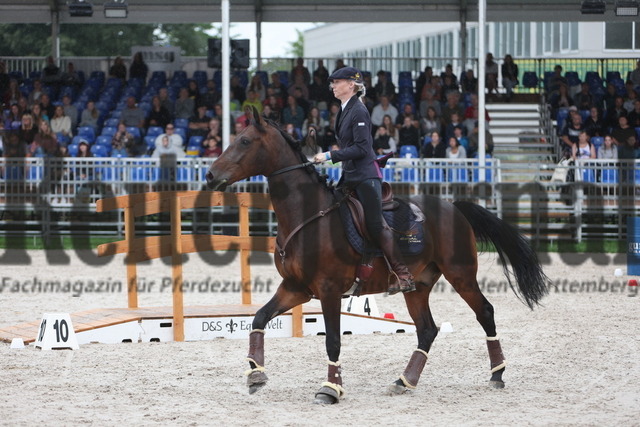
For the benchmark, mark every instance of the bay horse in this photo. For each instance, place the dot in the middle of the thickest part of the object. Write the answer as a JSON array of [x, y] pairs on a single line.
[[315, 259]]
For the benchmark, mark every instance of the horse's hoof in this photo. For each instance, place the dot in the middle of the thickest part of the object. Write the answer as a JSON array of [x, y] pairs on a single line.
[[496, 384], [396, 389], [256, 380], [326, 396]]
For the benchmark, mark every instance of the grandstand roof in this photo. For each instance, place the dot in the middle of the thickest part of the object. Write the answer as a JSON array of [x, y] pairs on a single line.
[[191, 11]]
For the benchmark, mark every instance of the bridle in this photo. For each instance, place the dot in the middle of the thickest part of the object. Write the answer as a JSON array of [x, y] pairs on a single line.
[[291, 168]]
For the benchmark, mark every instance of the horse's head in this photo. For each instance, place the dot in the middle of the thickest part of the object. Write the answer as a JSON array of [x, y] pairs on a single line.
[[259, 149]]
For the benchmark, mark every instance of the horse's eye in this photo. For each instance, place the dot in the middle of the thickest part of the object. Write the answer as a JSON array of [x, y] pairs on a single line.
[[245, 141]]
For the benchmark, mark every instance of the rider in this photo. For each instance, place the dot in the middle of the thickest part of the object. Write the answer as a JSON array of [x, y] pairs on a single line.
[[360, 170]]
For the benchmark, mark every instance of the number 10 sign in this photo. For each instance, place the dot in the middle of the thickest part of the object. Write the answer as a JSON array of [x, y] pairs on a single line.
[[56, 332]]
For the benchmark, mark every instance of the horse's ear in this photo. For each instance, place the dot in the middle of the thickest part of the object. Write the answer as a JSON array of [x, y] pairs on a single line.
[[252, 111]]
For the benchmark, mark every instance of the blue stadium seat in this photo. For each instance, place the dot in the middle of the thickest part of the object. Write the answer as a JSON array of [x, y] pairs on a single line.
[[104, 140], [150, 142], [409, 151], [597, 141], [112, 122], [195, 140], [108, 130], [73, 150], [135, 131], [530, 79], [155, 131], [100, 150], [487, 171], [181, 123], [182, 132], [572, 78], [88, 133], [609, 176], [588, 174]]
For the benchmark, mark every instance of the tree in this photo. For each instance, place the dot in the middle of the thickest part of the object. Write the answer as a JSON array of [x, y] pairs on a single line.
[[296, 47], [192, 38]]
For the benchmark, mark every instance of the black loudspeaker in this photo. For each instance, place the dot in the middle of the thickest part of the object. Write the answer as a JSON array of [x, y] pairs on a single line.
[[214, 53], [239, 53]]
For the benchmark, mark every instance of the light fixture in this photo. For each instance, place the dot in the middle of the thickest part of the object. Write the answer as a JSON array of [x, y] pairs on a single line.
[[80, 8], [626, 8], [115, 9], [593, 7]]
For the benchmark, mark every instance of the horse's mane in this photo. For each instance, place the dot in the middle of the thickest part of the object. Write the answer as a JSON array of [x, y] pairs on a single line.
[[296, 146]]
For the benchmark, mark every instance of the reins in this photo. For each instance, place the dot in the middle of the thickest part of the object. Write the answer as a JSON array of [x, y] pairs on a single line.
[[290, 168]]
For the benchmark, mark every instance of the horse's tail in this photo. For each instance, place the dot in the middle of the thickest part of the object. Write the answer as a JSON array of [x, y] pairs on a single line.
[[532, 283]]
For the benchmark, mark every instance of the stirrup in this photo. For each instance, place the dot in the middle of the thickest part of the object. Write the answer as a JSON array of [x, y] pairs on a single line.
[[401, 285]]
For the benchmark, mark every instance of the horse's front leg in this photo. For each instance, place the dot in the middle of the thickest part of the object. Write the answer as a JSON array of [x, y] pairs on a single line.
[[331, 390], [284, 299]]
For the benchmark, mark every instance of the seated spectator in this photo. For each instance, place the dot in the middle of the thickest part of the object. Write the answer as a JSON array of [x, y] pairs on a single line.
[[472, 114], [293, 113], [90, 115], [571, 132], [429, 101], [623, 131], [47, 106], [321, 71], [319, 92], [298, 84], [557, 80], [385, 87], [455, 123], [560, 99], [27, 130], [70, 77], [165, 100], [583, 99], [430, 122], [634, 77], [383, 143], [469, 82], [314, 119], [302, 71], [608, 150], [448, 86], [256, 85], [166, 149], [455, 150], [610, 96], [594, 124], [174, 138], [70, 111], [301, 100], [448, 72], [123, 143], [270, 114], [212, 147], [38, 115], [634, 115], [434, 149], [84, 172], [408, 134], [214, 132], [428, 82], [491, 74], [253, 100], [15, 115], [629, 149], [13, 147], [199, 122], [237, 90], [615, 112], [291, 130], [211, 97], [12, 95], [132, 115], [452, 106], [138, 68], [275, 103], [159, 115], [583, 149], [45, 143], [277, 88], [194, 91], [60, 123], [391, 128], [474, 142], [407, 111], [35, 94], [509, 75], [184, 106], [462, 139], [630, 99], [118, 70], [51, 73], [382, 109]]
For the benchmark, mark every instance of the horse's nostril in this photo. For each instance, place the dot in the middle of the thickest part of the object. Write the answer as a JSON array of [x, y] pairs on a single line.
[[209, 176]]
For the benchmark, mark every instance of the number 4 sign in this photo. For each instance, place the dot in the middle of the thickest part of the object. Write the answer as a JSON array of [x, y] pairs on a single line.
[[56, 332]]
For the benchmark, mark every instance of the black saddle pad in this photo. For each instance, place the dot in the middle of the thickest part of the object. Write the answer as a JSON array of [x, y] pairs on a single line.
[[407, 226]]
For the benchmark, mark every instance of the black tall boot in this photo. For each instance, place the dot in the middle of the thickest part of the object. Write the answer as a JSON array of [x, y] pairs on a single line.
[[403, 280]]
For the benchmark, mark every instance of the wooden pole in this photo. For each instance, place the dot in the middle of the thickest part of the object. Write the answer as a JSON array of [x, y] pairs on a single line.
[[176, 267], [296, 317], [132, 272], [245, 267]]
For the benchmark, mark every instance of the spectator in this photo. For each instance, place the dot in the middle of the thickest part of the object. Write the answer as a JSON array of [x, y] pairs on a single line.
[[382, 109], [610, 96], [159, 115], [623, 131], [628, 149], [89, 116], [194, 91], [434, 149], [614, 113], [469, 82], [560, 99], [12, 95], [70, 77], [123, 142], [257, 86], [427, 81], [474, 142], [455, 123], [38, 115], [634, 76], [118, 70], [583, 149], [557, 80], [199, 122], [167, 150], [631, 98], [175, 139], [211, 97], [391, 128], [36, 92], [237, 90], [44, 142], [293, 113], [212, 147], [452, 106], [277, 88], [184, 106], [270, 114], [407, 111], [429, 101], [70, 111], [509, 75], [319, 92], [455, 150], [448, 72], [291, 130], [608, 150], [314, 119], [571, 132], [298, 84], [370, 97], [471, 115], [583, 99], [430, 122], [60, 123], [339, 64], [132, 115], [301, 71], [138, 68], [253, 100], [47, 107], [84, 172], [448, 86], [13, 147], [382, 142], [321, 72], [165, 100], [491, 74], [214, 132], [409, 134], [15, 115], [634, 115], [462, 139], [4, 80], [385, 87], [594, 124], [51, 73]]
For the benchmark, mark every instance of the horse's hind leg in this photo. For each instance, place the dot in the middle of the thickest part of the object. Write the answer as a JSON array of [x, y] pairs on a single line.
[[282, 301]]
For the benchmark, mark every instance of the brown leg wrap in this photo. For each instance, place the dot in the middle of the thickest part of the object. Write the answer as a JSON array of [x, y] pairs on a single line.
[[414, 369], [495, 354], [256, 348], [335, 374]]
